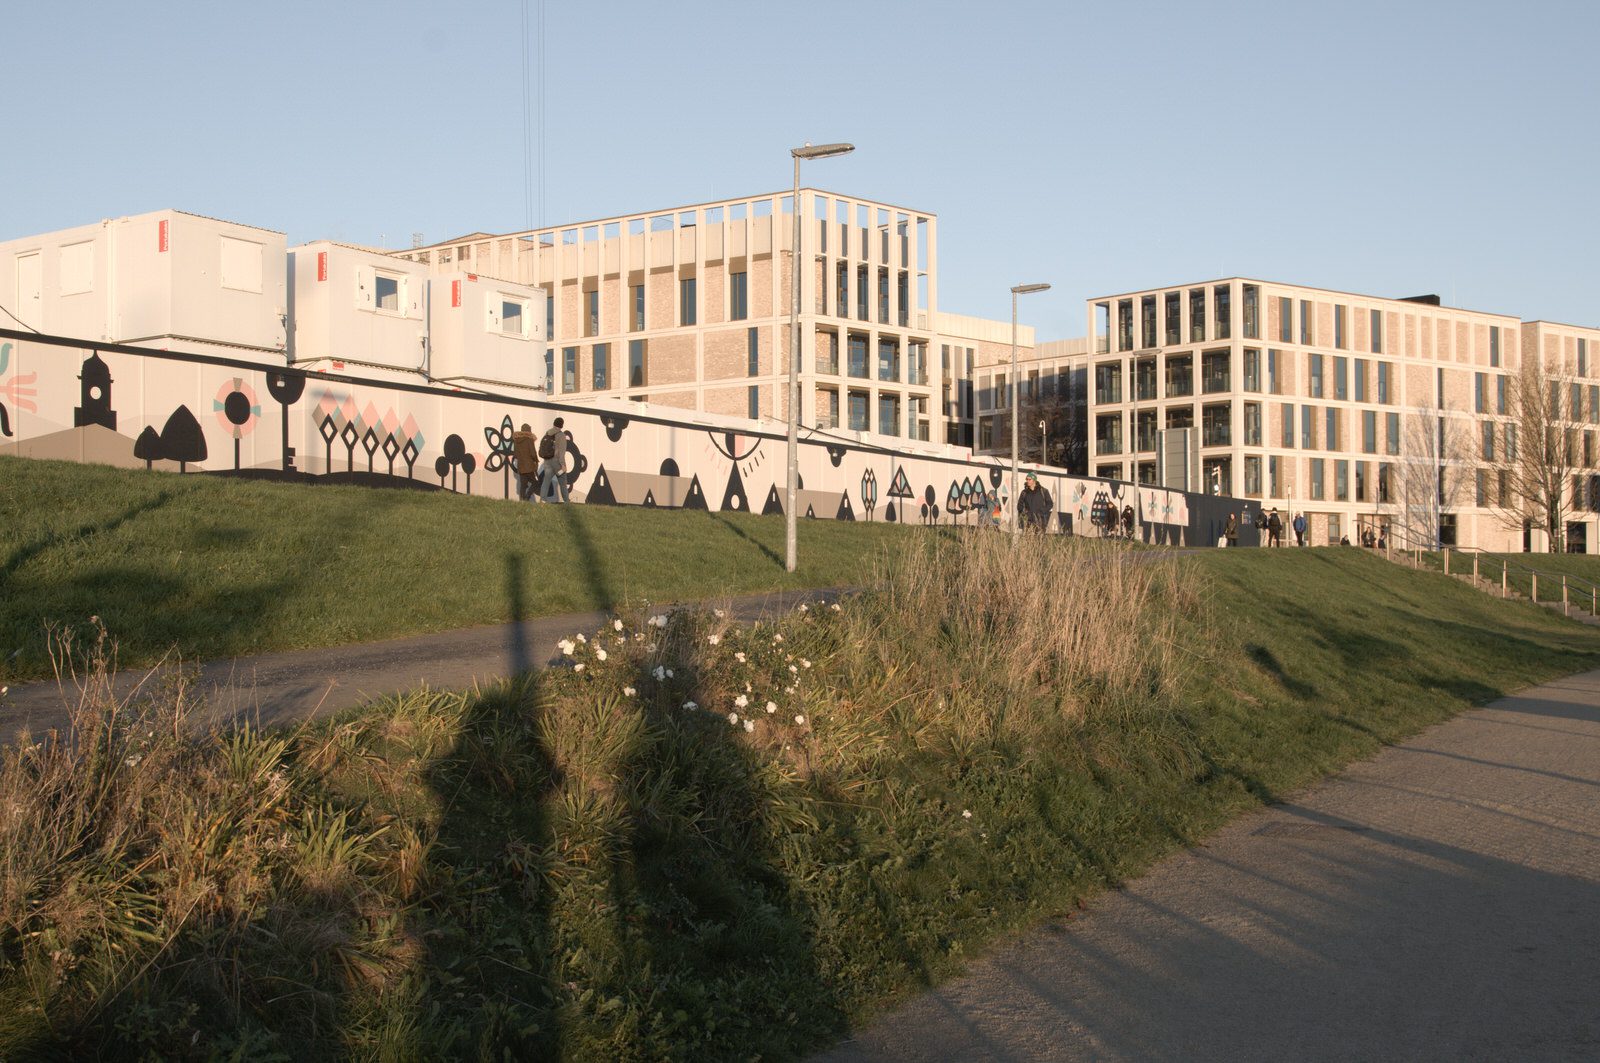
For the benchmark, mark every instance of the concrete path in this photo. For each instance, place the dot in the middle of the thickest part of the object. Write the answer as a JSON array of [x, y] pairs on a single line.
[[279, 688], [1440, 901]]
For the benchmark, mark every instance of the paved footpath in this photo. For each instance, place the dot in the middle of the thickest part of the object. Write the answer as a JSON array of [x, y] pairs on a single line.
[[1440, 901], [280, 688]]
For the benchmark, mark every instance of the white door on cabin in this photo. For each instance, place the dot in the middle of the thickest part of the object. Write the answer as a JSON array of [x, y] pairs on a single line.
[[30, 300]]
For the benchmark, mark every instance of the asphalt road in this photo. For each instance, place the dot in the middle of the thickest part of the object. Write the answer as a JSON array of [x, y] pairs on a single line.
[[1440, 901]]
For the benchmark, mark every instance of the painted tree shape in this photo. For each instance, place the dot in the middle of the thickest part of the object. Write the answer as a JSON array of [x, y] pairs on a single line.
[[148, 447], [499, 460], [182, 440]]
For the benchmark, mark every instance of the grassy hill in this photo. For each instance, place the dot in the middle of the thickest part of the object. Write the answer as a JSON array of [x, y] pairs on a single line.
[[218, 567], [703, 840]]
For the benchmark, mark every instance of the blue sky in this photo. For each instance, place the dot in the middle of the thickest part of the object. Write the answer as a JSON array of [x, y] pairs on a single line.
[[1384, 148]]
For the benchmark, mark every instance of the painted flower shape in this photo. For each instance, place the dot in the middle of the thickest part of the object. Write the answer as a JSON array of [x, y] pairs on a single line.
[[237, 408]]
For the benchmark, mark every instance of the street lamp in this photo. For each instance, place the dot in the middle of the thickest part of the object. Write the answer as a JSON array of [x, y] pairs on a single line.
[[1044, 442], [1021, 289], [810, 151]]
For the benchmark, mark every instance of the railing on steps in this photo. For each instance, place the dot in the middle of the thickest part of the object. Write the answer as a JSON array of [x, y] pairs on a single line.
[[1570, 584]]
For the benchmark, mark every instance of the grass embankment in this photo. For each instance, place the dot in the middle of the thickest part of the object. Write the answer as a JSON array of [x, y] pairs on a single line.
[[216, 567], [640, 859]]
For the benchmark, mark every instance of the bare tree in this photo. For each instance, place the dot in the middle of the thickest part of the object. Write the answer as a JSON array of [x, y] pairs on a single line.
[[1065, 433], [1537, 453], [1432, 477]]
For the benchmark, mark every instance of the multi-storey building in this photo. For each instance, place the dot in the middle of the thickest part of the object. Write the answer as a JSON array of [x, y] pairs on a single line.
[[1050, 386], [1357, 410], [690, 308]]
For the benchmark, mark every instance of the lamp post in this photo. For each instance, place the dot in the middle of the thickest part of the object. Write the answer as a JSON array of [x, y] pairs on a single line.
[[1044, 442], [809, 151], [1021, 289]]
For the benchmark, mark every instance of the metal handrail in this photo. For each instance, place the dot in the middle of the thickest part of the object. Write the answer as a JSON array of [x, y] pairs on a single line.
[[1567, 580]]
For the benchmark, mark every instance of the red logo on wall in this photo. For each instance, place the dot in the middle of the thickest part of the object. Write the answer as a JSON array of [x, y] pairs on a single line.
[[322, 265], [455, 293], [161, 236]]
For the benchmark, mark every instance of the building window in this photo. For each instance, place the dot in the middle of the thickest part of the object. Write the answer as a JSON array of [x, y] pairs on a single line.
[[1108, 472], [842, 277], [1488, 441], [1144, 380], [1341, 481], [638, 364], [1252, 476], [1197, 315], [1361, 481], [1483, 488], [858, 356], [1125, 325], [1308, 428], [1180, 417], [1216, 425], [1252, 424], [513, 322], [738, 296], [1108, 382], [861, 293], [1338, 327], [1180, 375], [549, 371], [753, 352], [1286, 434], [888, 359], [1305, 323], [1108, 434], [1385, 481], [1252, 312], [1147, 321], [1314, 361], [602, 366], [903, 314], [569, 369], [1377, 333], [828, 408], [1361, 380], [883, 296], [753, 402], [1341, 373], [688, 294], [1252, 369], [1273, 489], [1315, 465], [1583, 357], [1494, 346], [858, 411], [1174, 303], [591, 314], [1391, 432], [1285, 320], [1215, 373], [1369, 431], [1222, 307], [1330, 437], [1500, 394], [917, 363], [1383, 383], [1144, 430], [888, 414], [828, 353], [1146, 472], [637, 294], [1272, 373], [1594, 403], [1477, 393], [1217, 475]]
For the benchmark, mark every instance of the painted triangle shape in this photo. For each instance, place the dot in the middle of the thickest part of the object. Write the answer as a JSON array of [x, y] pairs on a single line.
[[600, 493], [774, 505]]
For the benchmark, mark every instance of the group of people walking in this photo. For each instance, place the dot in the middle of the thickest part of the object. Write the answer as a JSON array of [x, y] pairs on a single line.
[[540, 462], [1271, 525]]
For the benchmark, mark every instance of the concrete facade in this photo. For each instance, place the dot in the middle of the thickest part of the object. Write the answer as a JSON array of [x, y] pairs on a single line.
[[1357, 410]]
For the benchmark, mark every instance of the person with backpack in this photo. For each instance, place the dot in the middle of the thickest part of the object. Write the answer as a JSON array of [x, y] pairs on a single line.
[[1274, 528], [525, 459], [553, 462]]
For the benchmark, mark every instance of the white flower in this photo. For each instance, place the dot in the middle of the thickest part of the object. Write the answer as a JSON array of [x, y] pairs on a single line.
[[578, 667], [659, 620], [834, 607], [669, 673], [966, 814], [778, 637], [749, 725], [741, 701], [638, 636], [566, 647], [718, 613], [772, 706], [804, 663], [801, 720], [793, 669], [581, 637], [600, 653], [628, 692], [733, 718], [133, 762], [788, 690], [713, 639], [802, 607], [660, 673], [617, 624], [691, 705], [747, 688], [739, 656]]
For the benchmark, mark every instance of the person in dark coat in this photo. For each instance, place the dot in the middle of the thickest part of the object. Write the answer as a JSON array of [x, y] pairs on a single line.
[[1231, 530], [1034, 508], [1299, 529], [1274, 528], [525, 459], [1127, 521]]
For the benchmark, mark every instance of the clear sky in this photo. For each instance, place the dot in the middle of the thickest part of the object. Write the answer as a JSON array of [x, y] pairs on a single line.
[[1390, 148]]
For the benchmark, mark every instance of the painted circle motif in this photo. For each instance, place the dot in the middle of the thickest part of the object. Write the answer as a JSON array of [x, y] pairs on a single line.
[[237, 408]]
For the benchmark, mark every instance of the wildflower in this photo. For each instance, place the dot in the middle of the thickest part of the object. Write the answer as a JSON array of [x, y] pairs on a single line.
[[582, 637], [739, 656], [691, 705], [747, 689], [659, 620], [578, 667], [600, 653], [669, 673], [749, 725], [966, 813], [733, 718], [718, 613], [801, 720], [804, 663], [741, 701], [803, 607], [650, 648], [617, 624], [628, 692], [772, 706], [778, 637], [834, 607], [566, 647], [660, 673], [638, 636], [133, 762], [713, 639], [794, 670], [788, 690]]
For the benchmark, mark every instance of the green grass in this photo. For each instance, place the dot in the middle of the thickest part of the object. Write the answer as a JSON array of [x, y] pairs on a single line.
[[1582, 570], [557, 869], [217, 567]]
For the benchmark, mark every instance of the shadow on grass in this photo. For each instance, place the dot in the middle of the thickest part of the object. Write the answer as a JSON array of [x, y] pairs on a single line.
[[25, 553], [741, 533]]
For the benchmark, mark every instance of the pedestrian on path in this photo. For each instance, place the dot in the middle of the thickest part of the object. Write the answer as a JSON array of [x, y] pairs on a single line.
[[1274, 528], [1034, 507], [1299, 529], [1231, 530], [525, 459], [553, 462]]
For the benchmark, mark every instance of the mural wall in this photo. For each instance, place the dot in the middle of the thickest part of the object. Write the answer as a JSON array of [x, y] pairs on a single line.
[[198, 413]]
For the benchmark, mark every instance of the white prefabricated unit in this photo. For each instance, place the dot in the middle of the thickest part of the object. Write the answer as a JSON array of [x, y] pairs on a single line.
[[354, 305], [486, 331], [165, 279]]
